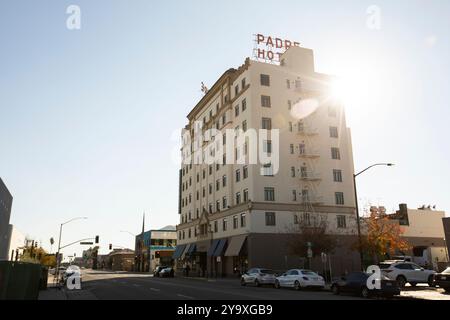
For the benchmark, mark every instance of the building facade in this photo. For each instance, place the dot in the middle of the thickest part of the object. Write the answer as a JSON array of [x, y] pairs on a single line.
[[155, 248], [5, 214], [237, 213], [17, 242]]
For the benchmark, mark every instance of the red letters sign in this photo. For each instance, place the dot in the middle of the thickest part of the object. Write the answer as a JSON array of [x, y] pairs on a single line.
[[270, 49]]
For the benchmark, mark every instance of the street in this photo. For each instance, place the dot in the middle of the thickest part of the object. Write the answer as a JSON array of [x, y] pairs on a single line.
[[106, 285]]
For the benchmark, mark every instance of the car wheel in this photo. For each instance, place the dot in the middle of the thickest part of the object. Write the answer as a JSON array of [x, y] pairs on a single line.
[[401, 280], [365, 292], [335, 289], [277, 284], [243, 282], [430, 281], [257, 283], [447, 289], [297, 286]]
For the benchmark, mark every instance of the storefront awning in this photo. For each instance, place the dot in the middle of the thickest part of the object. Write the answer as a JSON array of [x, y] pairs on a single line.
[[235, 246], [178, 251], [191, 249], [212, 248], [185, 251], [220, 248]]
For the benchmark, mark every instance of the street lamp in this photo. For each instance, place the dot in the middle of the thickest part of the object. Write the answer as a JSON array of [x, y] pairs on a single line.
[[59, 241], [357, 208]]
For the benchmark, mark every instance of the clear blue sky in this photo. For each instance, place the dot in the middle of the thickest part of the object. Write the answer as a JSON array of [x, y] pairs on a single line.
[[87, 116]]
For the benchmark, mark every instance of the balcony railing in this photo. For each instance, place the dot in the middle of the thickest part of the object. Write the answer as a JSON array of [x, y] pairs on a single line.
[[311, 199], [309, 176]]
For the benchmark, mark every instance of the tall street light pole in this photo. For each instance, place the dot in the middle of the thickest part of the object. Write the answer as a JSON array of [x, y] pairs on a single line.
[[59, 241], [361, 257]]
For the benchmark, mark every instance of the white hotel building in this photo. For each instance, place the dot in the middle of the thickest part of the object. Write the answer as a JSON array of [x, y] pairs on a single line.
[[232, 216]]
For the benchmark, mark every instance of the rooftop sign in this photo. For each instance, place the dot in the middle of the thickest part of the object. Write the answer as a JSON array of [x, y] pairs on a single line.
[[269, 49]]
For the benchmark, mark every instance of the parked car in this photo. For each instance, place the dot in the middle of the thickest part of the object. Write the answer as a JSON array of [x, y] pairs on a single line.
[[157, 271], [443, 280], [407, 272], [299, 278], [356, 283], [258, 277], [167, 273]]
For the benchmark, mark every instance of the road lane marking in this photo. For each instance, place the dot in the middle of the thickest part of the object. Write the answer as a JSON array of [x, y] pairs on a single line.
[[186, 297]]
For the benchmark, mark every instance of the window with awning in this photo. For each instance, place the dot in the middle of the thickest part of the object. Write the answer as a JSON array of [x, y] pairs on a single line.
[[235, 246], [220, 248], [178, 252], [212, 248]]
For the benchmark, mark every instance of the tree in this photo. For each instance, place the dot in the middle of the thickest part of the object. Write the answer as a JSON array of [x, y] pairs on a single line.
[[381, 237], [310, 228]]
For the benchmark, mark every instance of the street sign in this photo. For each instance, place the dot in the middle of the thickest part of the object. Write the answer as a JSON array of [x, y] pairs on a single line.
[[86, 243]]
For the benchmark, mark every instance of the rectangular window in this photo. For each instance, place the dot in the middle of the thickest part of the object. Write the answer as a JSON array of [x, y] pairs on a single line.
[[238, 175], [293, 172], [224, 119], [243, 83], [269, 194], [224, 181], [235, 222], [224, 224], [224, 203], [236, 111], [291, 149], [243, 222], [245, 172], [270, 219], [294, 195], [265, 101], [217, 185], [244, 126], [295, 219], [337, 175], [339, 196], [236, 90], [334, 132], [266, 124], [244, 105], [290, 126], [289, 104], [341, 222], [335, 154], [268, 170], [218, 205], [238, 198], [216, 226], [265, 80], [267, 146], [246, 195], [210, 188]]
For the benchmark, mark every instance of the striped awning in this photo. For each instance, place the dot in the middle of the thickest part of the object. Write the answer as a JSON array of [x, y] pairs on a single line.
[[212, 248], [191, 249], [220, 248], [185, 251], [178, 251]]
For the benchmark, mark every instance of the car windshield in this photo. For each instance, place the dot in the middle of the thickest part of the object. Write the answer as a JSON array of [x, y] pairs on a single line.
[[267, 271], [384, 265]]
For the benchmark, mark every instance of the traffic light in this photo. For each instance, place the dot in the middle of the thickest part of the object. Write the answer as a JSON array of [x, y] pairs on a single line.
[[97, 239], [110, 246]]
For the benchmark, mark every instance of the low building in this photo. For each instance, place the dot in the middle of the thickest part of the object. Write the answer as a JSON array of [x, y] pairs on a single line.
[[446, 223], [155, 248], [424, 231], [121, 260]]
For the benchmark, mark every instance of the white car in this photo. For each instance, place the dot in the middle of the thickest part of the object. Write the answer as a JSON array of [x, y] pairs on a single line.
[[406, 272], [258, 277], [300, 278]]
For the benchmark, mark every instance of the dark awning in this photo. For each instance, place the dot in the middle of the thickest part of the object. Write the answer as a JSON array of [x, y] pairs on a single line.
[[212, 248], [235, 246], [220, 248], [188, 246], [191, 249], [178, 251]]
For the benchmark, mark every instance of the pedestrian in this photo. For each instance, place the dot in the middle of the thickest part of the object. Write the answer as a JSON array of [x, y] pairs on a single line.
[[187, 270]]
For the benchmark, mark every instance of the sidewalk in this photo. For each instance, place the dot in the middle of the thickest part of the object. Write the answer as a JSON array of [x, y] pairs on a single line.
[[62, 293]]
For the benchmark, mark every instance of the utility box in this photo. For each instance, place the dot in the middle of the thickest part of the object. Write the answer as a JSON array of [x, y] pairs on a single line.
[[19, 281]]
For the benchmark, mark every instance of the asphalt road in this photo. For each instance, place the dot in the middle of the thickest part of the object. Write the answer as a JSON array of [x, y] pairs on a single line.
[[104, 285]]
